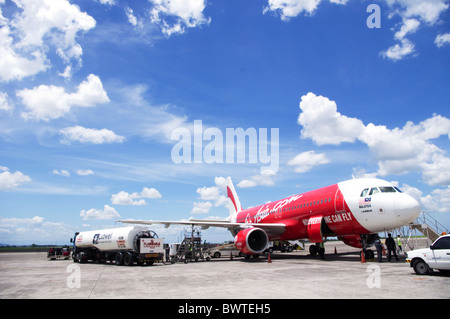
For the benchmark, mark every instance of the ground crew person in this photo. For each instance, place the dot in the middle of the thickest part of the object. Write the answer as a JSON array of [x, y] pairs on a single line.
[[379, 247], [390, 244], [399, 244]]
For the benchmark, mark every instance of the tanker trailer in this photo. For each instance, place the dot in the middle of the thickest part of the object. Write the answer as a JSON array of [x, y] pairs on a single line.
[[124, 246]]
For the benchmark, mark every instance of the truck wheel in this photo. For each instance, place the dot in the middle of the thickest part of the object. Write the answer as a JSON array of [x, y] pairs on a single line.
[[421, 268], [119, 259], [216, 254], [81, 257], [128, 259]]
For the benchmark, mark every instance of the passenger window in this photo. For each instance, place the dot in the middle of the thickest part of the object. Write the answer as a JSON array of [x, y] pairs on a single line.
[[364, 192], [373, 191]]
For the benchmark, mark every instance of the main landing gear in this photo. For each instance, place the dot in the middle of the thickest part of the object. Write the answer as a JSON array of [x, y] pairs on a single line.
[[366, 241], [317, 249]]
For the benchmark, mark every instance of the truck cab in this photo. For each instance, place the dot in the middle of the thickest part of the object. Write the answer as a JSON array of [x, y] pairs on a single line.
[[437, 256]]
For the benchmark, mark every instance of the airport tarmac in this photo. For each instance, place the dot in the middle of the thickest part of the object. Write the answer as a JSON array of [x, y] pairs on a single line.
[[289, 275]]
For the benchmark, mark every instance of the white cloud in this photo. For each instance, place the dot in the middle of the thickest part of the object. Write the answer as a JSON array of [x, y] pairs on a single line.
[[35, 27], [33, 230], [409, 26], [413, 13], [437, 170], [257, 180], [174, 16], [305, 161], [135, 199], [291, 8], [124, 198], [427, 10], [397, 150], [11, 180], [13, 66], [108, 2], [4, 103], [405, 47], [201, 207], [150, 193], [288, 9], [90, 135], [51, 102], [399, 50], [62, 172], [84, 172], [323, 124], [442, 40], [108, 212], [437, 201], [135, 22], [214, 196], [344, 2]]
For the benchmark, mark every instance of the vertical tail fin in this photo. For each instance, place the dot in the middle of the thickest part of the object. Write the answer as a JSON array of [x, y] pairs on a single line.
[[235, 205]]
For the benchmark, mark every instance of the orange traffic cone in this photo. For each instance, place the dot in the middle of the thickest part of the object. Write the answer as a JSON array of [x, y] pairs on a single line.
[[269, 260], [384, 251], [363, 258]]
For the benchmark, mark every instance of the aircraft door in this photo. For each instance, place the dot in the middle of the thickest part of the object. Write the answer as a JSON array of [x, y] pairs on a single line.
[[339, 202], [440, 258]]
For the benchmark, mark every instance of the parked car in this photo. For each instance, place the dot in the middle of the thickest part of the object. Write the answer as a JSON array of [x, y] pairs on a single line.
[[225, 251], [437, 256]]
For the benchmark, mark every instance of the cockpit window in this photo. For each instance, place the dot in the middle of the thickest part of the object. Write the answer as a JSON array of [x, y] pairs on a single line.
[[398, 189], [373, 191], [364, 192], [387, 189]]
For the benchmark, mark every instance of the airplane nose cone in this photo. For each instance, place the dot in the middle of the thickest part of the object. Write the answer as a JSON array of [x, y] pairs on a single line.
[[406, 208]]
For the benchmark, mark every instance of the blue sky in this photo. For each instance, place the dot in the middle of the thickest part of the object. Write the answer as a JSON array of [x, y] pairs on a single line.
[[91, 92]]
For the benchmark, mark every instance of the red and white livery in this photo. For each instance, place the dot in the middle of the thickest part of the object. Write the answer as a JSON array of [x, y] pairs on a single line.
[[355, 211]]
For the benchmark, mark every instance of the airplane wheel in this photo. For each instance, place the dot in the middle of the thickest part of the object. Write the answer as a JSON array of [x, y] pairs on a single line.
[[313, 250], [369, 254]]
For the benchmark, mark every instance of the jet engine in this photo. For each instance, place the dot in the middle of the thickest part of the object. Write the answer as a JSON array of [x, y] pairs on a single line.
[[251, 241]]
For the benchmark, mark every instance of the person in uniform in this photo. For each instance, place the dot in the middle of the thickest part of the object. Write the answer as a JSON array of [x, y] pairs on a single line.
[[379, 247], [392, 248]]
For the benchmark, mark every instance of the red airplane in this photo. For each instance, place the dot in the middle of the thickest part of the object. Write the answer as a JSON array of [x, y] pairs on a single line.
[[355, 211]]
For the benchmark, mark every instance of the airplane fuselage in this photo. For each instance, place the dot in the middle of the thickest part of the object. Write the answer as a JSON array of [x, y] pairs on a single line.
[[342, 209]]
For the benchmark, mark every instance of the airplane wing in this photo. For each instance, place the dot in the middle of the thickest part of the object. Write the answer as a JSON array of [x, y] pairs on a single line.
[[274, 229]]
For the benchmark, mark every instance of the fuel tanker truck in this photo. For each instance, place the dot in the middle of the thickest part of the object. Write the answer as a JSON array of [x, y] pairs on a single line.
[[124, 246]]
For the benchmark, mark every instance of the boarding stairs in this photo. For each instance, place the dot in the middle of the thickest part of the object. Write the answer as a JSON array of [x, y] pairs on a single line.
[[425, 224], [190, 248]]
